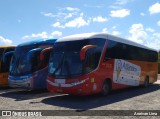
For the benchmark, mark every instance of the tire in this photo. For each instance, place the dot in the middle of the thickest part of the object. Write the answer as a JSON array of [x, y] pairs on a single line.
[[146, 82], [105, 88]]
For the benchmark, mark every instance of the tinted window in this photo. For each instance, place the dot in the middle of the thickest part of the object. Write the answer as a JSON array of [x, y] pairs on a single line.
[[116, 50], [77, 44], [65, 58], [1, 52], [35, 61]]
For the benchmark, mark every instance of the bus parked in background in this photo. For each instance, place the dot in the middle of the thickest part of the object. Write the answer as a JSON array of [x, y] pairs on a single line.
[[6, 53], [85, 64], [29, 65]]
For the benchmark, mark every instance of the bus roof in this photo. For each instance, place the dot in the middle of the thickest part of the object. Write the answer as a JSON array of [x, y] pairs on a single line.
[[7, 46], [101, 35], [38, 42]]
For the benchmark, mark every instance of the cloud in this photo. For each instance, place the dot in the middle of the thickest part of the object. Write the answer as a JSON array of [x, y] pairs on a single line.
[[140, 35], [114, 27], [49, 14], [58, 24], [116, 33], [38, 35], [142, 14], [81, 14], [72, 9], [63, 13], [155, 41], [56, 33], [100, 19], [43, 35], [115, 7], [120, 13], [68, 16], [4, 41], [137, 34], [105, 30], [122, 2], [158, 23], [155, 8], [59, 15], [150, 30], [77, 22]]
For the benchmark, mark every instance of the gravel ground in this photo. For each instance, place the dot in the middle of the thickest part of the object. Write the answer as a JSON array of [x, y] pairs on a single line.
[[137, 98]]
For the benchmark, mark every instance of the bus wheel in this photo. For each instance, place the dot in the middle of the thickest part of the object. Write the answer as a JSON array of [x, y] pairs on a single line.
[[105, 88], [146, 82]]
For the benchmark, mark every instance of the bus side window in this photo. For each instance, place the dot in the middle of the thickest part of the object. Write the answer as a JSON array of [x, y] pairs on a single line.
[[92, 59], [116, 50], [35, 62], [45, 61], [111, 51]]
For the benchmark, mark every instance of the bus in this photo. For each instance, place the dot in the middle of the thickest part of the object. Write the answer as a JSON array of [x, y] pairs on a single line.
[[91, 63], [6, 53], [29, 64]]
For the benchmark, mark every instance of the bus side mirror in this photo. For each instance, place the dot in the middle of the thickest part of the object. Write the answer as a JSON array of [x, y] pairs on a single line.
[[31, 53], [7, 56], [45, 51], [84, 50]]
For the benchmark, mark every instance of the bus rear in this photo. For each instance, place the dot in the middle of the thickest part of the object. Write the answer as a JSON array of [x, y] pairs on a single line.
[[29, 65], [6, 53], [89, 63]]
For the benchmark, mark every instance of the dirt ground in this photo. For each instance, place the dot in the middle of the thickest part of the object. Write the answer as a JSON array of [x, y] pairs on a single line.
[[136, 98]]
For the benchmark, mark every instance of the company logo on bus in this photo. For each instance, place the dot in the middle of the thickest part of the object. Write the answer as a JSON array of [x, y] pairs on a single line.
[[126, 72], [123, 65]]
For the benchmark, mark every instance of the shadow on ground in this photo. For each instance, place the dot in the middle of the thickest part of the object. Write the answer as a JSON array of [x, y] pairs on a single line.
[[20, 95], [94, 101]]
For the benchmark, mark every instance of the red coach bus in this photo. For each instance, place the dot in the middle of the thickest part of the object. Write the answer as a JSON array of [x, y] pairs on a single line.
[[85, 64]]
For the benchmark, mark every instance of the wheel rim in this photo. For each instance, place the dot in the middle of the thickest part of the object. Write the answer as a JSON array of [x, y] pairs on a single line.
[[146, 83], [105, 89]]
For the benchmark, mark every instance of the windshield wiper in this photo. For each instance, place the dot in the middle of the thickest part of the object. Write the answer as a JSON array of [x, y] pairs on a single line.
[[66, 65]]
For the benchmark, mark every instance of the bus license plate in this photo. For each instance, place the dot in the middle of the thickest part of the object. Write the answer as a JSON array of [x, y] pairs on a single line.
[[60, 81]]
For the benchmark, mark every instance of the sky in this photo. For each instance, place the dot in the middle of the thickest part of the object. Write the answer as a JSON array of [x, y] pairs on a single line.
[[26, 20]]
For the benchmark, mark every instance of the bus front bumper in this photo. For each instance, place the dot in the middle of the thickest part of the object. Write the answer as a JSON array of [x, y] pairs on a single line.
[[77, 88], [25, 83]]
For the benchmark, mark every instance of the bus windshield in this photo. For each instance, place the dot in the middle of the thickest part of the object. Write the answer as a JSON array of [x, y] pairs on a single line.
[[65, 58], [19, 63]]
